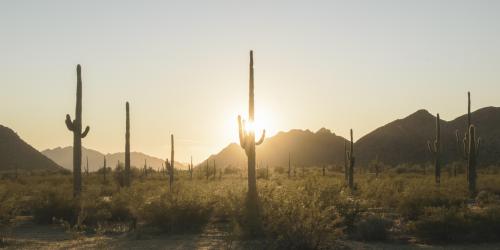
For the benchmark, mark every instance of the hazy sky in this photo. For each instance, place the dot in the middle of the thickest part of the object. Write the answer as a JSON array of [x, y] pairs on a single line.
[[183, 65]]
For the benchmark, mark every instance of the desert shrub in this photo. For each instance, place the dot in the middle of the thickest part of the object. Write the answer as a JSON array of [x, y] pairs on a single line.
[[294, 219], [458, 225], [372, 228], [174, 212], [485, 198], [52, 203], [418, 196]]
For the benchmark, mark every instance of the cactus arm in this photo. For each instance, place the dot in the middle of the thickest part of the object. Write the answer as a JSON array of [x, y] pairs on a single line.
[[261, 140], [241, 126], [429, 147], [84, 134], [69, 123]]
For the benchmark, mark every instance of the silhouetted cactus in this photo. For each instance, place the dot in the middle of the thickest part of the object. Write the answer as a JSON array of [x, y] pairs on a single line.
[[104, 169], [145, 168], [247, 137], [324, 169], [191, 169], [472, 150], [76, 127], [215, 171], [172, 164], [207, 171], [346, 168], [289, 166], [351, 158], [461, 141], [127, 146], [435, 150]]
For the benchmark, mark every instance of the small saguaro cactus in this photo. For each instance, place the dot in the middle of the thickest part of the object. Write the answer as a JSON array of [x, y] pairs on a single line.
[[76, 127], [127, 146], [435, 150], [346, 168], [215, 171], [350, 157], [191, 169], [289, 166], [324, 169], [172, 164], [207, 171], [247, 136], [104, 169], [145, 168], [472, 150]]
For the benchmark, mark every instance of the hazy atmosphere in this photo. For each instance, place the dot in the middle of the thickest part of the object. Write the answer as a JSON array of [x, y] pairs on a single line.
[[334, 64]]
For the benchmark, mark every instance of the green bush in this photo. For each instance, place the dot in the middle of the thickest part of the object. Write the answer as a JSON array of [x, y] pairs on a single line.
[[458, 225], [53, 204], [176, 212], [373, 228]]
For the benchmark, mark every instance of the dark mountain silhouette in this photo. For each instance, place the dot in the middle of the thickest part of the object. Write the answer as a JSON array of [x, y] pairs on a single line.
[[305, 147], [401, 141], [64, 157], [16, 153], [405, 140]]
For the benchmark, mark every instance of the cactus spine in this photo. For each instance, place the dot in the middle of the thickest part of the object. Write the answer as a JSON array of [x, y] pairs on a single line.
[[435, 150], [350, 157], [127, 146], [247, 137], [76, 127]]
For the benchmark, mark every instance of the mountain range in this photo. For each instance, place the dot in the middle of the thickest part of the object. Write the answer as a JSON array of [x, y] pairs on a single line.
[[401, 141], [64, 157]]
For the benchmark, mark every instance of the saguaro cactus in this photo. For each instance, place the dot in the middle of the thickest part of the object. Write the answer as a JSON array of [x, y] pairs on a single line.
[[191, 169], [462, 141], [104, 169], [435, 150], [247, 135], [87, 167], [127, 146], [172, 164], [346, 168], [289, 166], [215, 170], [472, 150], [76, 127], [350, 157]]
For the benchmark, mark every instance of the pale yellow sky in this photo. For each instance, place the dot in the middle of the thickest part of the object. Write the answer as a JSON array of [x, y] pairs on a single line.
[[183, 65]]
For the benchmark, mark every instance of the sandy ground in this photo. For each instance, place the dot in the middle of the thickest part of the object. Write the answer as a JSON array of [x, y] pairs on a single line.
[[25, 234]]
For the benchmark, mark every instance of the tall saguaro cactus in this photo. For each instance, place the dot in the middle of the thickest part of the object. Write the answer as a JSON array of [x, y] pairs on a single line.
[[462, 141], [76, 127], [127, 146], [435, 150], [472, 150], [350, 158], [247, 136], [346, 168], [172, 167]]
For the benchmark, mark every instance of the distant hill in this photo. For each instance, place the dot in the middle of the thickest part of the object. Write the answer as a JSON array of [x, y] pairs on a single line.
[[401, 141], [64, 157], [405, 140], [16, 153], [305, 147]]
